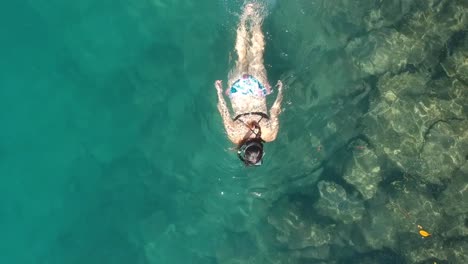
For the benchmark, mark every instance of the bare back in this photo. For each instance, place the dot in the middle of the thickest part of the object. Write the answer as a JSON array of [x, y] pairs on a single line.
[[250, 45]]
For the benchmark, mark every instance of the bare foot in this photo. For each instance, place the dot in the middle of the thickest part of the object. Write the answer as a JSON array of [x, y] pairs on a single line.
[[252, 12], [249, 9]]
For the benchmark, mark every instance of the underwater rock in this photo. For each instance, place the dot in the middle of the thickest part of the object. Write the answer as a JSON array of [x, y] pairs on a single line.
[[393, 218], [416, 207], [363, 170], [385, 50], [380, 229], [437, 251], [456, 65], [417, 42], [444, 150], [375, 257], [454, 201], [410, 127], [295, 227], [315, 253], [454, 227], [386, 13], [336, 204]]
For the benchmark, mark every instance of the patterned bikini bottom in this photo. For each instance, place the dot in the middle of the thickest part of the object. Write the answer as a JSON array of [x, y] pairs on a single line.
[[248, 85]]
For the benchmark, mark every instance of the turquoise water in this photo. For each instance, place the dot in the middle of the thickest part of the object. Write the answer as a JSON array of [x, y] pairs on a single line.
[[112, 149]]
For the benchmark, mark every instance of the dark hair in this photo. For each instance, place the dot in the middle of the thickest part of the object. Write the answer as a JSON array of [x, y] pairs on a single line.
[[251, 152]]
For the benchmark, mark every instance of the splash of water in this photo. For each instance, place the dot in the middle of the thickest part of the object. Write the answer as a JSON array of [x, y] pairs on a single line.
[[235, 6]]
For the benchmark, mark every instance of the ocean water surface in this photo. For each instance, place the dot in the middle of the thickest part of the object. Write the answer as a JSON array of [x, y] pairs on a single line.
[[112, 149]]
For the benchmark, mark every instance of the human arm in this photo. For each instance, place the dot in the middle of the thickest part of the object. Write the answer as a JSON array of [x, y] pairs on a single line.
[[275, 110], [224, 112]]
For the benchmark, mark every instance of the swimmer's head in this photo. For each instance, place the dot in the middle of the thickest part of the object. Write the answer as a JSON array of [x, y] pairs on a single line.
[[251, 152]]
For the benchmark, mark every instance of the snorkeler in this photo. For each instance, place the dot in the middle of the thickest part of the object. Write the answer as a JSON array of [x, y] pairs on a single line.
[[248, 88]]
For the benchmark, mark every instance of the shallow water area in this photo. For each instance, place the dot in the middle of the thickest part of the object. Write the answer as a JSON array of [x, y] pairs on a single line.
[[112, 149]]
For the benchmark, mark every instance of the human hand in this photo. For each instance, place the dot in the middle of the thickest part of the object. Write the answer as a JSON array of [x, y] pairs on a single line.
[[279, 85], [219, 86], [276, 107]]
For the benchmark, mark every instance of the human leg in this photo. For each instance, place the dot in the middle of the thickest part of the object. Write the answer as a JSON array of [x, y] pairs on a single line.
[[242, 44], [257, 47]]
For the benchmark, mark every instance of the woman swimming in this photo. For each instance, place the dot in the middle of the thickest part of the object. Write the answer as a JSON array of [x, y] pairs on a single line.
[[248, 88]]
